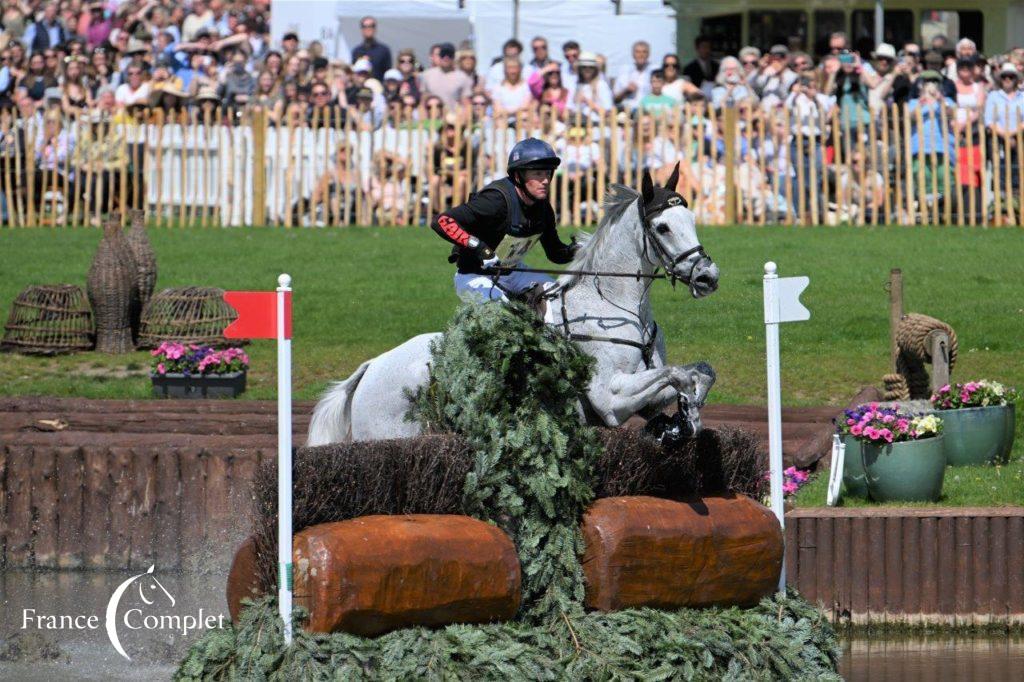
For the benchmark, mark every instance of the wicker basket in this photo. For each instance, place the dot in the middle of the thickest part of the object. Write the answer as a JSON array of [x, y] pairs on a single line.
[[49, 319], [145, 266], [111, 287], [187, 315]]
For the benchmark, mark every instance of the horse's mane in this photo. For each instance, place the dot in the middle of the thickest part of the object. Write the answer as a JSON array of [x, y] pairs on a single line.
[[617, 201]]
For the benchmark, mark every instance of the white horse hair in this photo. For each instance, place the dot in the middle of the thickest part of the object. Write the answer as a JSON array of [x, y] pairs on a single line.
[[372, 403]]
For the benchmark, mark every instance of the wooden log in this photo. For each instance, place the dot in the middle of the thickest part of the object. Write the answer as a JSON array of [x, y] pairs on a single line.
[[841, 566], [946, 565], [242, 580], [193, 495], [96, 503], [142, 533], [807, 555], [44, 507], [998, 595], [167, 511], [928, 591], [645, 551], [824, 551], [121, 474], [373, 574], [18, 520], [892, 599], [982, 564]]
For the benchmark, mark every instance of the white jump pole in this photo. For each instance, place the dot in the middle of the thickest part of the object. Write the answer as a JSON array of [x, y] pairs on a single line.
[[284, 461], [781, 304]]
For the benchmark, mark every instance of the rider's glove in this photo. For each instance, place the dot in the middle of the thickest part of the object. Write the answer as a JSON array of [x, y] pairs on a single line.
[[482, 251], [491, 262]]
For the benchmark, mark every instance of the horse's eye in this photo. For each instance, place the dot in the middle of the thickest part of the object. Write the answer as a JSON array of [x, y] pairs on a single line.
[[663, 229]]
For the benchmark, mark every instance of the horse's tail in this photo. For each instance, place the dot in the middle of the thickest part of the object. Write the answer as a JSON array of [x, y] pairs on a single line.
[[332, 416]]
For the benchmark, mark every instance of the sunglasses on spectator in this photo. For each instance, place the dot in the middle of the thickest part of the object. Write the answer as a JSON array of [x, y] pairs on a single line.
[[1008, 77], [405, 60], [369, 25], [479, 104], [749, 62], [319, 93], [670, 65]]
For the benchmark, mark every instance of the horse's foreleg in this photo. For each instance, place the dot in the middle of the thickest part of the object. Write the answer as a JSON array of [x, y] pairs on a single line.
[[624, 395]]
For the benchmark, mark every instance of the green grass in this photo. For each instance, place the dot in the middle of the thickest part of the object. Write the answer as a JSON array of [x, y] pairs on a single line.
[[361, 291], [967, 486]]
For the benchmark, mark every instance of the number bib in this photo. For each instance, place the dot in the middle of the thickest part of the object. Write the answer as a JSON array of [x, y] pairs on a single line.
[[514, 248]]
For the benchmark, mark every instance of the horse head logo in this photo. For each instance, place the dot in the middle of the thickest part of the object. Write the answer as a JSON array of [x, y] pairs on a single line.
[[150, 590]]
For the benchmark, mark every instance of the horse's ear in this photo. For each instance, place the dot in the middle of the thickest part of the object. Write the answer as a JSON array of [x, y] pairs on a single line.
[[647, 187], [673, 179]]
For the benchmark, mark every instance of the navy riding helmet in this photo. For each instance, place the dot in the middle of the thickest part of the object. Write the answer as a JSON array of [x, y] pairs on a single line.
[[532, 154]]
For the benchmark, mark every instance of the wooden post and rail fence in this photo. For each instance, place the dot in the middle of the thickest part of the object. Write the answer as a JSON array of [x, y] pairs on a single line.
[[908, 165]]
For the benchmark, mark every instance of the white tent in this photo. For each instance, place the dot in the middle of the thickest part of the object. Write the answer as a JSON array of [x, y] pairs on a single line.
[[488, 23]]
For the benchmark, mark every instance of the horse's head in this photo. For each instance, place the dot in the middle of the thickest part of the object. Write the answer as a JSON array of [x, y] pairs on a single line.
[[670, 237]]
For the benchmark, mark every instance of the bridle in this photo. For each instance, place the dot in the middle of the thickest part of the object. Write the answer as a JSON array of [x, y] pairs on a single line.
[[668, 262]]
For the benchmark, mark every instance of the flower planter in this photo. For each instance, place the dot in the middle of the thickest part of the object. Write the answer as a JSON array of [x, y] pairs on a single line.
[[978, 435], [198, 386], [910, 471], [853, 468]]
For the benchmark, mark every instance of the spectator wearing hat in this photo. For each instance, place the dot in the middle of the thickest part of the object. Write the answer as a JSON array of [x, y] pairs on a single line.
[[881, 84], [933, 64], [774, 78], [49, 31], [451, 85], [1004, 107], [591, 96], [703, 69], [394, 85], [362, 77], [633, 80], [378, 53]]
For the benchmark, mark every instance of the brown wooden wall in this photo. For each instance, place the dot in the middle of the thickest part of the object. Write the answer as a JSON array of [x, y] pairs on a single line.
[[940, 565], [124, 505]]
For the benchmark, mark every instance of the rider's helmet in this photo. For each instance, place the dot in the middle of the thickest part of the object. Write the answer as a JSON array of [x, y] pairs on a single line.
[[530, 154]]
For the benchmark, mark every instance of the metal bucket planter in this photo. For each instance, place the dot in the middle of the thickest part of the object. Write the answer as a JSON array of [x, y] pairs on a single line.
[[978, 435], [911, 471], [853, 468]]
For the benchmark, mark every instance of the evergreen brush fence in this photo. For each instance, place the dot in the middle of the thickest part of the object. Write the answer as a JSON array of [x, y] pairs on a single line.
[[922, 163]]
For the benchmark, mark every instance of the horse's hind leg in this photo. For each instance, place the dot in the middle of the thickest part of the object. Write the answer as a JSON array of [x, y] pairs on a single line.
[[624, 395]]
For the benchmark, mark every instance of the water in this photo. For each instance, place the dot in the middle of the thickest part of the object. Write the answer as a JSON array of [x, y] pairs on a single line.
[[934, 659], [88, 654], [153, 622]]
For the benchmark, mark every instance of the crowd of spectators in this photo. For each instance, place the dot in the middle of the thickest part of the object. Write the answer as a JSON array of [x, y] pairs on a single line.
[[118, 59]]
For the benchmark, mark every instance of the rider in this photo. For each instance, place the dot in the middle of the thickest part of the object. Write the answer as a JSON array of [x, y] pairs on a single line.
[[499, 224]]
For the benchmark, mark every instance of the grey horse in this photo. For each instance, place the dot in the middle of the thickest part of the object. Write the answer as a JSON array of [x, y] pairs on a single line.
[[609, 317]]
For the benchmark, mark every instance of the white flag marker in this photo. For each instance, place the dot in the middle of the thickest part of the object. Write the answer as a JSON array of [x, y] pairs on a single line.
[[781, 304], [284, 458]]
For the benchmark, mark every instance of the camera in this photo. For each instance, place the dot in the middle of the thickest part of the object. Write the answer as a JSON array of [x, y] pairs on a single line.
[[846, 57]]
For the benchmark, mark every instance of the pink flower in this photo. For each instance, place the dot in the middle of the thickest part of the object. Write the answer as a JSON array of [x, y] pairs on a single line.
[[160, 369], [965, 396], [886, 434], [944, 389], [888, 419], [947, 403], [850, 422], [790, 488], [856, 429], [871, 432], [902, 424]]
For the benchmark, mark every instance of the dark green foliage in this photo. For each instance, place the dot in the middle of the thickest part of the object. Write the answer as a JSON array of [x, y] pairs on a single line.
[[510, 385], [782, 638]]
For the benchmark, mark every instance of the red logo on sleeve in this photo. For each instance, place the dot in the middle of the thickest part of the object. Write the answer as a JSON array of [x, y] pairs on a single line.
[[452, 229]]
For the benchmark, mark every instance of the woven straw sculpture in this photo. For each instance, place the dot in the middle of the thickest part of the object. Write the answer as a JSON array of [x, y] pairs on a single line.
[[111, 287], [145, 267], [186, 315], [49, 319]]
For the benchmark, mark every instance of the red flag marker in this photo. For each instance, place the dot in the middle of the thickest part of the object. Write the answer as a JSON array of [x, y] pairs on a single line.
[[257, 315]]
